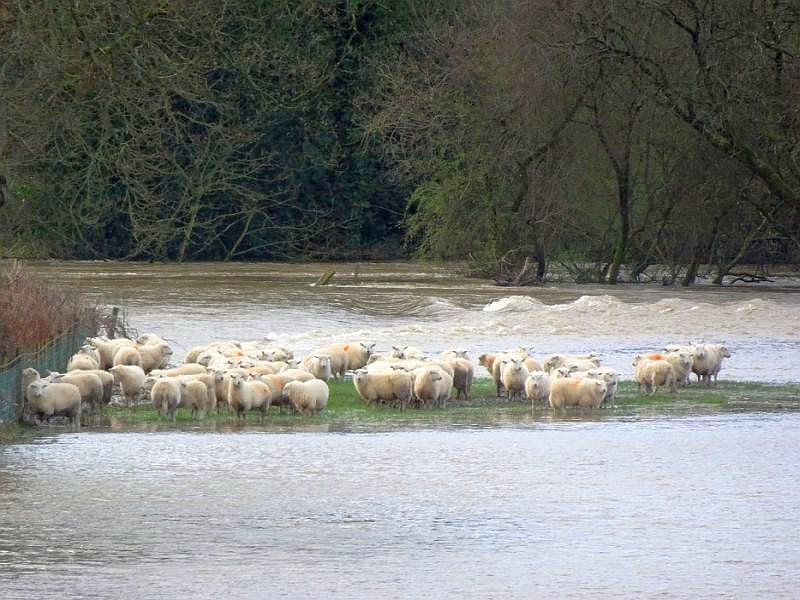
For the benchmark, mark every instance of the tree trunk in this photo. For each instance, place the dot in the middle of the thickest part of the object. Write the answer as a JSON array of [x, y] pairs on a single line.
[[723, 268], [621, 246], [541, 262]]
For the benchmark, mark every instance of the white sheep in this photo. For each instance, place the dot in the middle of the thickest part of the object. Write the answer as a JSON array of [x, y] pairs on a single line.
[[432, 386], [346, 356], [186, 369], [653, 373], [386, 386], [246, 395], [708, 361], [107, 348], [107, 379], [82, 362], [584, 393], [150, 338], [89, 385], [407, 352], [682, 362], [130, 379], [127, 355], [307, 397], [513, 378], [611, 379], [454, 353], [296, 375], [209, 381], [319, 365], [154, 356], [554, 361], [194, 396], [45, 399], [463, 372], [537, 387], [166, 396]]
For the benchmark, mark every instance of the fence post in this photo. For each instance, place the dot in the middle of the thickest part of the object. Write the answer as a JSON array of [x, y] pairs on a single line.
[[111, 329]]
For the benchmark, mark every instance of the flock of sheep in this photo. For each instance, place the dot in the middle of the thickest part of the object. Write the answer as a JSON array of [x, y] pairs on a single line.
[[252, 376]]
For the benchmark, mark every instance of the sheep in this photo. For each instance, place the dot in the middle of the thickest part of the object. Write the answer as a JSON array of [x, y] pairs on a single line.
[[276, 384], [104, 349], [522, 352], [214, 360], [463, 372], [166, 396], [652, 374], [82, 362], [347, 356], [209, 381], [222, 379], [130, 379], [690, 348], [513, 378], [154, 356], [246, 395], [58, 399], [107, 348], [319, 365], [127, 355], [86, 359], [407, 352], [498, 364], [89, 384], [611, 379], [453, 354], [388, 386], [187, 369], [554, 361], [486, 360], [682, 363], [275, 352], [582, 364], [147, 339], [296, 375], [107, 379], [708, 361], [221, 383], [432, 386], [46, 399], [194, 395], [193, 354], [537, 387], [307, 397], [258, 370], [584, 393]]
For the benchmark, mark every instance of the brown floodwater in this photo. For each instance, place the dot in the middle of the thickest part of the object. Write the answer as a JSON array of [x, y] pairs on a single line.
[[435, 309], [674, 502]]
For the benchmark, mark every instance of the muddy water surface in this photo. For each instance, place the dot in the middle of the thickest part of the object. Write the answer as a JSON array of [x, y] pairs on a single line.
[[433, 309], [695, 502], [696, 506]]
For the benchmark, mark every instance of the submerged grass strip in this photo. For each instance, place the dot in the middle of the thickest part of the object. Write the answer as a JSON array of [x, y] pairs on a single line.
[[345, 407]]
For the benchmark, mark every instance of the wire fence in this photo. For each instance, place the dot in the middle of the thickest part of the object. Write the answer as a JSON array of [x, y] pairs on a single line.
[[53, 356]]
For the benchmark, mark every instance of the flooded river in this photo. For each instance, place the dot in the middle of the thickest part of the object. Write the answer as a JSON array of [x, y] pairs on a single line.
[[433, 309], [695, 506], [697, 503]]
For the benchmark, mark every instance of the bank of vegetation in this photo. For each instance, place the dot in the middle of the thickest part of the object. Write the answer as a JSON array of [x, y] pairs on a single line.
[[601, 138], [34, 311], [345, 409]]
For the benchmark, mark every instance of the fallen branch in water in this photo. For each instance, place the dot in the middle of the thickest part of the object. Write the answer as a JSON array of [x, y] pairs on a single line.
[[748, 278]]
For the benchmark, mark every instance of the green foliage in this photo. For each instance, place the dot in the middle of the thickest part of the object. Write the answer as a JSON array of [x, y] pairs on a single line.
[[184, 130]]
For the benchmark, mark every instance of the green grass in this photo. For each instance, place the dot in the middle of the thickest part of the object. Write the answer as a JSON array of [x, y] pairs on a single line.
[[346, 409], [347, 412]]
